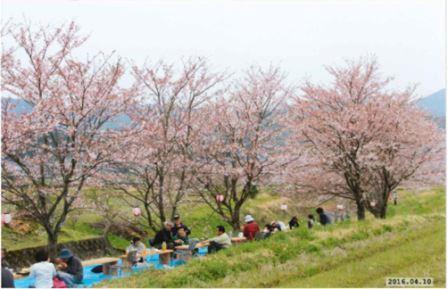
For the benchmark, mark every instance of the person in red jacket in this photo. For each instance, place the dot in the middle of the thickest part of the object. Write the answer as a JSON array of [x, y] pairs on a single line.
[[251, 228]]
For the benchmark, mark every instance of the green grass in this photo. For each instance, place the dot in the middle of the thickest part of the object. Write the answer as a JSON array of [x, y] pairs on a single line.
[[72, 231], [351, 254], [200, 218], [17, 241], [410, 242], [401, 259], [417, 203]]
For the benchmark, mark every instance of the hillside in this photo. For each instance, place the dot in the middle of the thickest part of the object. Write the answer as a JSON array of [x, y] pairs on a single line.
[[202, 221], [434, 104], [411, 242]]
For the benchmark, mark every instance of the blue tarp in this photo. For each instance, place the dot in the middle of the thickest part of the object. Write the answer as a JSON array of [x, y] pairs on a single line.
[[92, 278]]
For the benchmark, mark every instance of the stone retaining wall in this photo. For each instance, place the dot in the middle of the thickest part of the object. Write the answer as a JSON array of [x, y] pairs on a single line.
[[84, 249]]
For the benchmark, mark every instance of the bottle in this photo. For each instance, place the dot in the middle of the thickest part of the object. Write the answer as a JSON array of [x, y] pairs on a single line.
[[164, 246]]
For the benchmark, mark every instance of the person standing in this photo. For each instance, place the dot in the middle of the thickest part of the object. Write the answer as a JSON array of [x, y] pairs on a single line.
[[71, 271], [340, 213], [177, 225], [251, 228], [43, 271], [324, 219], [395, 196]]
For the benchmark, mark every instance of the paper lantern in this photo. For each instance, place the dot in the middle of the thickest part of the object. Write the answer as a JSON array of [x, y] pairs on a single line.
[[283, 207], [219, 198], [372, 203], [340, 207], [137, 212], [6, 218]]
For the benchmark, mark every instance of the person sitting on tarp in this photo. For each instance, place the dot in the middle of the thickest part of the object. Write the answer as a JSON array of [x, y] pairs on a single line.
[[181, 237], [221, 241], [42, 272], [294, 223], [70, 270], [251, 228], [164, 236], [137, 246]]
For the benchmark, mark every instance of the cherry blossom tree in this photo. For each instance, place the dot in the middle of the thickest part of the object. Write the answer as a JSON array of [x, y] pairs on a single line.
[[411, 149], [105, 204], [154, 165], [239, 147], [362, 140], [50, 152]]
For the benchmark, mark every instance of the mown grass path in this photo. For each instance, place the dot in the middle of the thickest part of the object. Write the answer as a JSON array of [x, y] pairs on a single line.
[[420, 256]]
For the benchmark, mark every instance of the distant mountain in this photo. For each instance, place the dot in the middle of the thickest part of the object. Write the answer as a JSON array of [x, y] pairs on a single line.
[[435, 105], [21, 107]]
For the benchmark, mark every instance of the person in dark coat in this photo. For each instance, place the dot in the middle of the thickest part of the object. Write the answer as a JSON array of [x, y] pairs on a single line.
[[324, 219], [178, 224], [71, 271], [7, 276], [164, 235], [294, 223]]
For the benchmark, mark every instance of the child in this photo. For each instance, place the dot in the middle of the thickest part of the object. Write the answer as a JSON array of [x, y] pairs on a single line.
[[43, 271], [310, 221]]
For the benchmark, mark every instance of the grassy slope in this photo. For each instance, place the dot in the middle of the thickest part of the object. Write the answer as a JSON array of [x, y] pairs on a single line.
[[197, 216], [80, 230], [409, 243]]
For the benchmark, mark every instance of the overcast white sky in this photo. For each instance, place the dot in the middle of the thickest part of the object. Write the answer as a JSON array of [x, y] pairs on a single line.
[[407, 36]]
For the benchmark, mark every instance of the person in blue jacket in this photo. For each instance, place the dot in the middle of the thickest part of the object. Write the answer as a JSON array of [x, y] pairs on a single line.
[[324, 219]]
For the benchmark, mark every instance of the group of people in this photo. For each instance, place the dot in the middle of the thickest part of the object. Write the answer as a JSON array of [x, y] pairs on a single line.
[[176, 233], [64, 271], [68, 269]]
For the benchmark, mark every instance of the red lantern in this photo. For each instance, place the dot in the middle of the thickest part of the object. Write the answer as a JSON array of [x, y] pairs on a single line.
[[137, 212], [219, 198]]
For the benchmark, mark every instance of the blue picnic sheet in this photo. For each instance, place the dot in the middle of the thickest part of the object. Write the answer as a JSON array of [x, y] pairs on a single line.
[[91, 278]]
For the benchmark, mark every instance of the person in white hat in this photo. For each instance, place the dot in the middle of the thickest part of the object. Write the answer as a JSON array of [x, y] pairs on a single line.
[[251, 228]]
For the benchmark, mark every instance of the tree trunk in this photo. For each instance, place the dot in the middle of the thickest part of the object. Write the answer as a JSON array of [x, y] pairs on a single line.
[[52, 244], [360, 211], [382, 212], [236, 219], [151, 223], [107, 244]]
